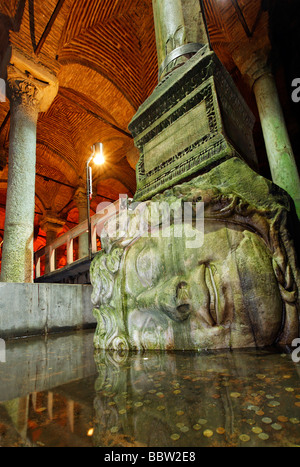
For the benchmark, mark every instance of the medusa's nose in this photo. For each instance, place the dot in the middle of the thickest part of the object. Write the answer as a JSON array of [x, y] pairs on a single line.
[[182, 300], [170, 297], [182, 291]]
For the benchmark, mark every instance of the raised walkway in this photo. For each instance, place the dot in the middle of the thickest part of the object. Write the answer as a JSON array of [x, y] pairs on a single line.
[[60, 300], [75, 272]]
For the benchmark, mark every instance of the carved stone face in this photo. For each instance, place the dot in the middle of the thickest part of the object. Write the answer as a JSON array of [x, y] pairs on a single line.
[[222, 294], [240, 288]]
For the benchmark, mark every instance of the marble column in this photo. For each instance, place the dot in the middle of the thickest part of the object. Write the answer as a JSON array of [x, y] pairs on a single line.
[[31, 89], [51, 224], [278, 145], [178, 23], [80, 199]]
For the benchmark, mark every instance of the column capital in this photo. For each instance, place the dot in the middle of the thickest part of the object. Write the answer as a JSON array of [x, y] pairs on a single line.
[[80, 197], [30, 83], [133, 156], [253, 62], [51, 222]]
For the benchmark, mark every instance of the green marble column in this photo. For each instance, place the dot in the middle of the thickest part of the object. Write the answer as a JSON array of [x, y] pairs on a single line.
[[279, 149], [252, 60], [169, 26], [178, 23]]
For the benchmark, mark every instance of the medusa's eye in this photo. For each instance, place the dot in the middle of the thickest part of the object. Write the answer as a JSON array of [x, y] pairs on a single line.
[[148, 266]]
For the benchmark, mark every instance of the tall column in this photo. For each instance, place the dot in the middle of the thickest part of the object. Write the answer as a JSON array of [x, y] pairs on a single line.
[[279, 149], [278, 146], [180, 31], [80, 199], [30, 91], [51, 224]]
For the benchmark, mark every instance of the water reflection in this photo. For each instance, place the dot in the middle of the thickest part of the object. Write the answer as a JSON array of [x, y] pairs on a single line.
[[58, 392], [183, 399], [47, 391]]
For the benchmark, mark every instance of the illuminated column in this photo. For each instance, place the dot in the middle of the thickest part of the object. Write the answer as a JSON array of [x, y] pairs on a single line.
[[81, 203], [31, 89], [278, 146], [50, 224]]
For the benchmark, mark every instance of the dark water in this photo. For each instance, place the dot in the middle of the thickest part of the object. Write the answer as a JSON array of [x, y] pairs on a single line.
[[57, 392]]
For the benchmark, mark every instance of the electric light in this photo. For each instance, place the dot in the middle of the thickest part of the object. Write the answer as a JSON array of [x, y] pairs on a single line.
[[98, 157], [90, 432]]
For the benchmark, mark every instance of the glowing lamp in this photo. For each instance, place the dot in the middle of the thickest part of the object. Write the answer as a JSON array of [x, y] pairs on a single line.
[[98, 158]]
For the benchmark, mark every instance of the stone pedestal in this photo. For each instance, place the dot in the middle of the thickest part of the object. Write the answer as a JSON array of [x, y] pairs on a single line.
[[194, 119], [31, 89]]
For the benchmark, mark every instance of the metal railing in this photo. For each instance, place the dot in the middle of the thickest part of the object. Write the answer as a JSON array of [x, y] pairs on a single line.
[[97, 224]]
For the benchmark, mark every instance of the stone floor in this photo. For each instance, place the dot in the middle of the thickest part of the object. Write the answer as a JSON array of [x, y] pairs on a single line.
[[59, 392]]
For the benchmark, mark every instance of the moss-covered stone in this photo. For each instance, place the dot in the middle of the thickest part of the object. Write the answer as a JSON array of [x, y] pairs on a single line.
[[234, 286]]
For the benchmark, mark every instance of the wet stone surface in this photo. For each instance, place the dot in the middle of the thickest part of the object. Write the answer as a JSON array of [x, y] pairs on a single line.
[[60, 392]]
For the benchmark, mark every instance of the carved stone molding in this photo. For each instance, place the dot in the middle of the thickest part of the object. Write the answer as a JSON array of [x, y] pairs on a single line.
[[80, 197], [194, 118], [253, 63], [30, 83], [22, 88], [51, 222]]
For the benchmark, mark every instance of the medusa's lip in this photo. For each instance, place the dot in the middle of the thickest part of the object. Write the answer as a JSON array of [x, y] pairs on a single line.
[[213, 294], [208, 296], [183, 311], [178, 313]]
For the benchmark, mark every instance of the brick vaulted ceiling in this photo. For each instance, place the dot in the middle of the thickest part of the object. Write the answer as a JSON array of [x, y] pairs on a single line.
[[104, 53]]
